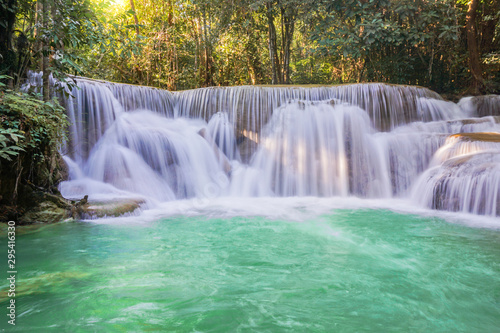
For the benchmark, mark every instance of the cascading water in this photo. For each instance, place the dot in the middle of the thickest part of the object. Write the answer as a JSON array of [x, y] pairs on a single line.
[[372, 141], [320, 149], [251, 107], [154, 156], [222, 131], [464, 176], [409, 149], [488, 105]]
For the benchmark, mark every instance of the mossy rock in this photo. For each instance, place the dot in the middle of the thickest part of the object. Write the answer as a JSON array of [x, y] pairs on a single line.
[[113, 208], [483, 137], [47, 212]]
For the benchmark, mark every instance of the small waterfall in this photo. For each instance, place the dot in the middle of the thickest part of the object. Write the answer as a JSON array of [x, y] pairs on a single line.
[[465, 144], [94, 105], [154, 156], [407, 154], [92, 109], [222, 132], [466, 176], [320, 149], [143, 98], [409, 149], [481, 106], [430, 109]]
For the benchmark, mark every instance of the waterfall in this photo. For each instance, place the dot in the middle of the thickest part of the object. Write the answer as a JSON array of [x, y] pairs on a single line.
[[364, 140], [145, 153], [481, 106], [250, 107], [465, 176], [320, 149], [222, 131], [409, 149]]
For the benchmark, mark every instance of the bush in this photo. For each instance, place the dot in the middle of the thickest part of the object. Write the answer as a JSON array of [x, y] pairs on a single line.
[[31, 131]]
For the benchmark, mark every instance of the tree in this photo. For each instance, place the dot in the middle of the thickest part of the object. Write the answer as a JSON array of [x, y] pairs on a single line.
[[187, 44], [8, 11], [474, 55]]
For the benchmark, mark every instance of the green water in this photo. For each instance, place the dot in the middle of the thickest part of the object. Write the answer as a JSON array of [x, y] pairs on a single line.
[[347, 271]]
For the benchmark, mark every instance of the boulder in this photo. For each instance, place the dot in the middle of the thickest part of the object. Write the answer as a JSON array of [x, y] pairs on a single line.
[[111, 208], [247, 148]]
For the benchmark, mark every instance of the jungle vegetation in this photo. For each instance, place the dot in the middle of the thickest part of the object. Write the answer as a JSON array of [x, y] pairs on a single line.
[[448, 46]]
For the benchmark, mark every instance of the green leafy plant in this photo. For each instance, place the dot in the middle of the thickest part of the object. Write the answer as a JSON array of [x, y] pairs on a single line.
[[29, 125], [9, 138]]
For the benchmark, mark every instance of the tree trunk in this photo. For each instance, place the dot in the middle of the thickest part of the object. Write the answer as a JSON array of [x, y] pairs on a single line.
[[38, 24], [7, 18], [199, 43], [45, 52], [289, 27], [273, 48], [208, 52], [172, 51], [170, 18], [474, 55], [136, 20]]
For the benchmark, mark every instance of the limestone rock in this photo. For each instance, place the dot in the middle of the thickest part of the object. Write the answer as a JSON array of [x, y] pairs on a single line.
[[112, 208]]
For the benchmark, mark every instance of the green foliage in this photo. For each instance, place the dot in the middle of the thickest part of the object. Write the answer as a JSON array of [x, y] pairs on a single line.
[[9, 139], [30, 126], [185, 44], [2, 78], [391, 41], [78, 25]]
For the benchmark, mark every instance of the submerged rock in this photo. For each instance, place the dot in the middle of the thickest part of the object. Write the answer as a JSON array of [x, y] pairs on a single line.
[[44, 283]]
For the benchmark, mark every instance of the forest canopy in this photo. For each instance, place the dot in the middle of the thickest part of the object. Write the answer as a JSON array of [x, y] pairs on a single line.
[[448, 46]]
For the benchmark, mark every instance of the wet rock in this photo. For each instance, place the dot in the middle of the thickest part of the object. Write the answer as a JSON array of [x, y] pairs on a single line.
[[111, 208], [46, 208], [46, 212], [221, 157], [247, 148], [483, 137]]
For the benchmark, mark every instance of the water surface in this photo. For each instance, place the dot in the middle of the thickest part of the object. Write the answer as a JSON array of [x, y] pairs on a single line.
[[347, 270]]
